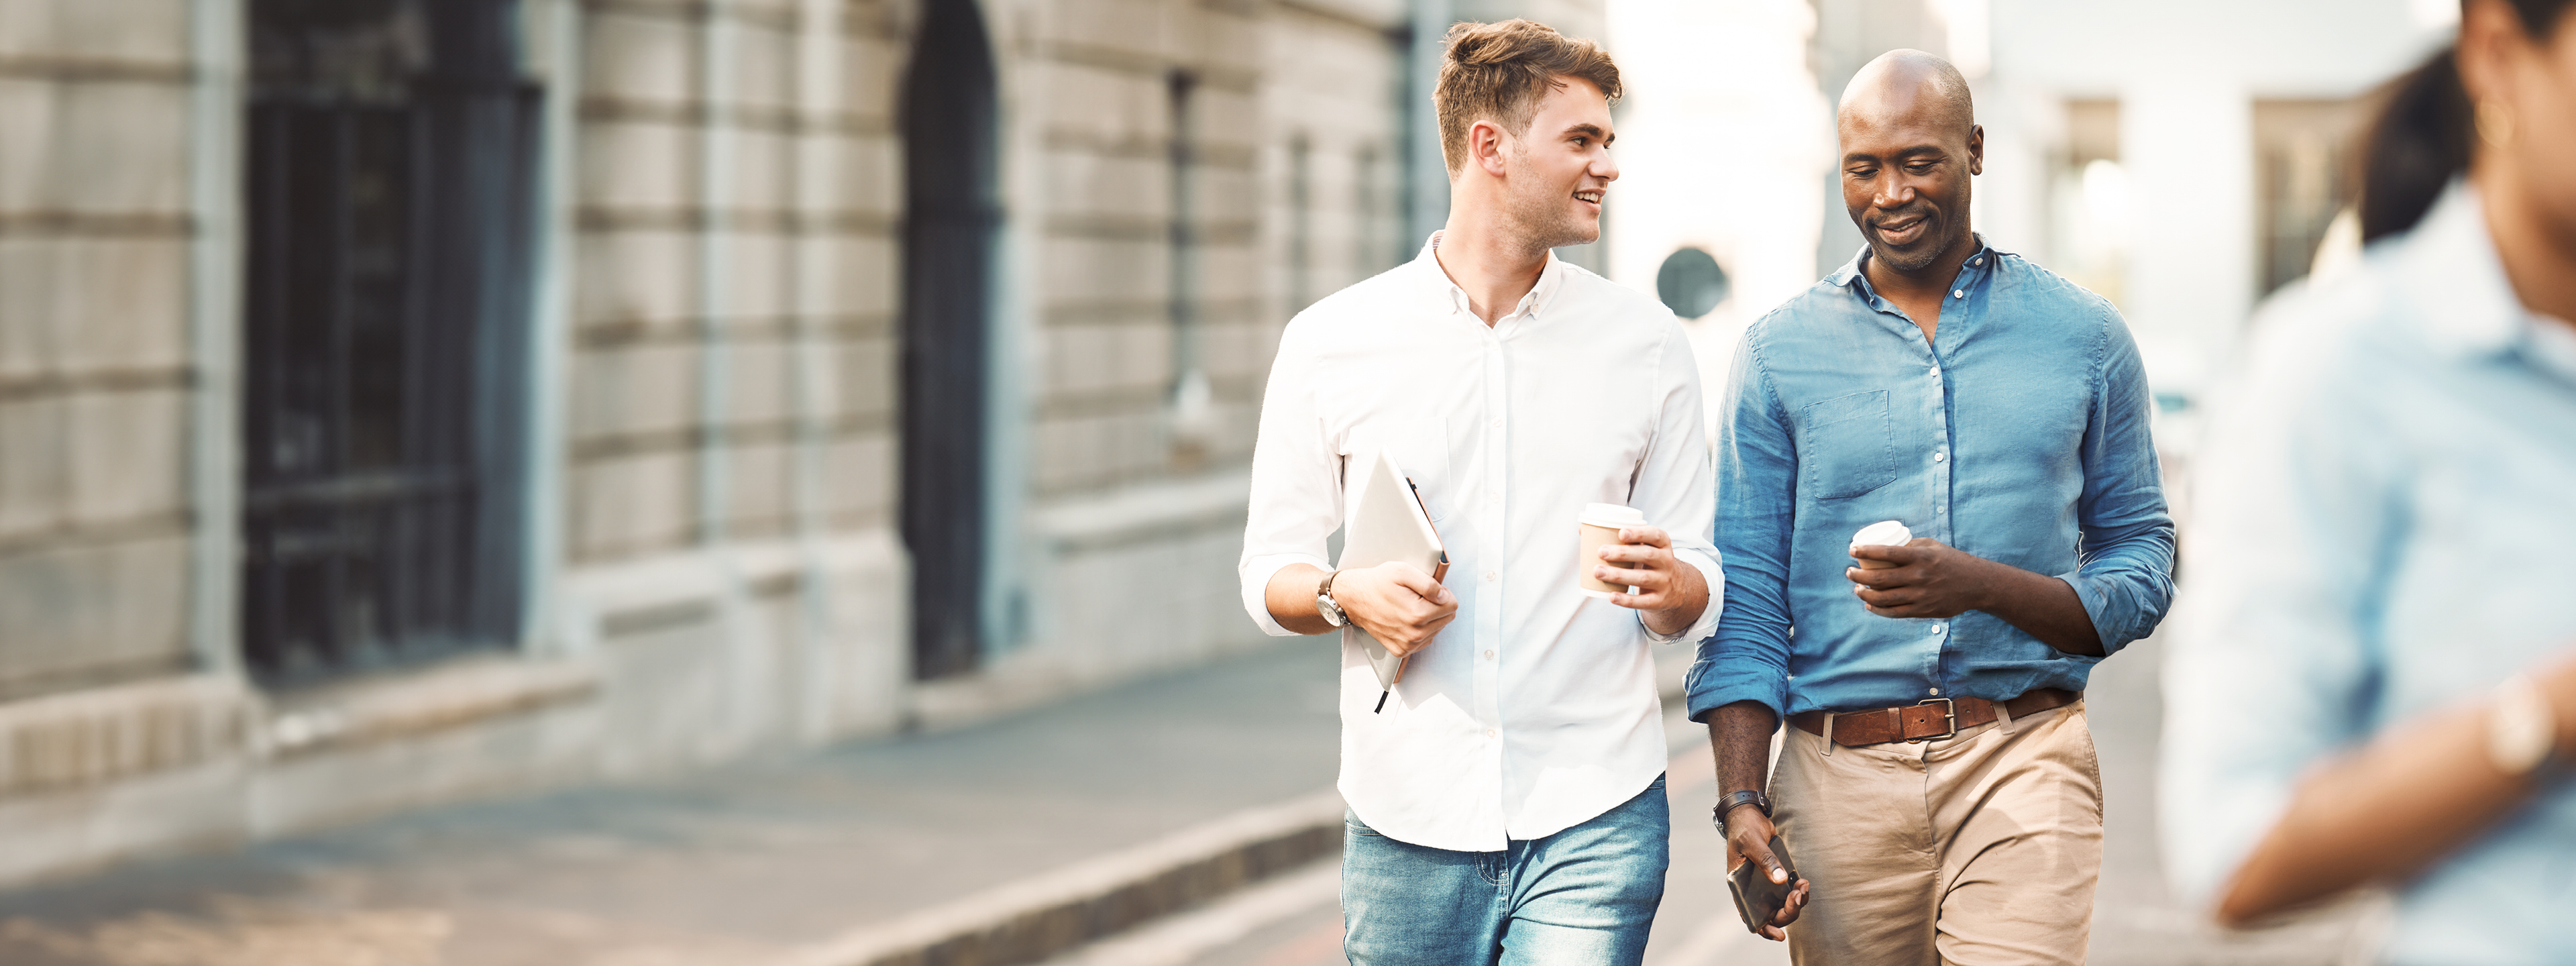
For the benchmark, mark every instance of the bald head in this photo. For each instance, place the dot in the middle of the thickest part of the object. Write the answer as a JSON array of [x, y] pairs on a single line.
[[1908, 88], [1910, 144]]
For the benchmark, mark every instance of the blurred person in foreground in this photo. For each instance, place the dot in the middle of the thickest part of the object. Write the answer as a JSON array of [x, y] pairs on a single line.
[[1937, 789], [1508, 804], [2376, 682]]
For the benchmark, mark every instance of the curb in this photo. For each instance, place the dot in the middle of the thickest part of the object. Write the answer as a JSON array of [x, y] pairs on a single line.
[[1050, 913]]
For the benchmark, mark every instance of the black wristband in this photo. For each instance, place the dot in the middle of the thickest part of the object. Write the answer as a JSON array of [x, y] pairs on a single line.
[[1737, 799]]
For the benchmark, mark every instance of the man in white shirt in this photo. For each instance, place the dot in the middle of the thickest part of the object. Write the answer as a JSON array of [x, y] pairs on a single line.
[[1507, 806]]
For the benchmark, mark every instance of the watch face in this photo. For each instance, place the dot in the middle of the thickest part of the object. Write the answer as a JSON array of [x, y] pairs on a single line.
[[1332, 612]]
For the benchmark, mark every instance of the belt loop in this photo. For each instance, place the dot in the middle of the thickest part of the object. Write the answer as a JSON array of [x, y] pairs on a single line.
[[1829, 734], [2003, 718]]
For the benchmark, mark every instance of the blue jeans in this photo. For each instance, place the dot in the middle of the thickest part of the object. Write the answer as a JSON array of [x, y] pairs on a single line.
[[1580, 897]]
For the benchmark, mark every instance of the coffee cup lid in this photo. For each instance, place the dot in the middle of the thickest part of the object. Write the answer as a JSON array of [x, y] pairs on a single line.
[[1612, 515], [1884, 533]]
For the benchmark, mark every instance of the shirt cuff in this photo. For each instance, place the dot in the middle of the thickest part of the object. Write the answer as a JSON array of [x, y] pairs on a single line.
[[1707, 622], [1256, 573], [2105, 629], [1715, 684]]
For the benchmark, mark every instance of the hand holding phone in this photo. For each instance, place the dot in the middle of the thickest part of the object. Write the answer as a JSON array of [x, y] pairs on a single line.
[[1757, 898]]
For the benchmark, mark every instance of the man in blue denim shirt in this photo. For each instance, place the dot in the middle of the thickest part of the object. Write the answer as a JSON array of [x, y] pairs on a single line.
[[1938, 794]]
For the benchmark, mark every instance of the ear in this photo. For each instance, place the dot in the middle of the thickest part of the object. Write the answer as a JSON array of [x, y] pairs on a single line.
[[1485, 147], [1976, 149], [2487, 32]]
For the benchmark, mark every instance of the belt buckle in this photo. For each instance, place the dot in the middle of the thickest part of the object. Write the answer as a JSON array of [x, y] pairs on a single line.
[[1949, 716]]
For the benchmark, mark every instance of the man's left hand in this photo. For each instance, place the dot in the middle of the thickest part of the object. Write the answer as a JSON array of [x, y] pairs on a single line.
[[1930, 579], [1670, 592]]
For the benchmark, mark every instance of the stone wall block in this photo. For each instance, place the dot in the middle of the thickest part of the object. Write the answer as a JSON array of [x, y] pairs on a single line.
[[867, 378], [126, 31], [756, 264], [1110, 187], [872, 77], [1094, 270], [1136, 27], [1107, 106], [628, 504], [859, 479], [764, 67], [762, 389], [864, 283], [872, 176], [97, 147], [92, 736], [760, 491], [646, 387], [636, 274], [35, 477], [76, 306], [762, 180], [80, 608], [633, 56], [128, 454], [638, 164]]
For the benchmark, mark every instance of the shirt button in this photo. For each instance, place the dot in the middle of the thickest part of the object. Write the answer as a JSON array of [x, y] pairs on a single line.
[[1498, 422], [1936, 628], [1936, 372], [1958, 293], [1493, 498], [1489, 655], [1489, 732], [1489, 575], [1938, 457], [1979, 260], [1936, 690]]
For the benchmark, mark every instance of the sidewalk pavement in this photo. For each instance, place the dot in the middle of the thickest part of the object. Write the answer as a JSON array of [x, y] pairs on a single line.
[[1181, 821], [1003, 842]]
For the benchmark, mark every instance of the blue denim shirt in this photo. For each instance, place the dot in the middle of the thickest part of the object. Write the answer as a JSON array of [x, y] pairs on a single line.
[[2383, 507], [2020, 435]]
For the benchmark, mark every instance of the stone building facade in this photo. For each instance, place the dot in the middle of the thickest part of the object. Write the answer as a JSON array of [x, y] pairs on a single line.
[[403, 400]]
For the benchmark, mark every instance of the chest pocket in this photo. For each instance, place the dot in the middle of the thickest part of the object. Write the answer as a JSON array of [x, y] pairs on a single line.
[[1421, 450], [1846, 446]]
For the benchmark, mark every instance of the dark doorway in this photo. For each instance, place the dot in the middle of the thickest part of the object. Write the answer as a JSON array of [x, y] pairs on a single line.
[[952, 214], [389, 155]]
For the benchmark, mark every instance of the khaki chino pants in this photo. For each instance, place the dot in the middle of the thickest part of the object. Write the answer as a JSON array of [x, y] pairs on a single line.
[[1979, 850]]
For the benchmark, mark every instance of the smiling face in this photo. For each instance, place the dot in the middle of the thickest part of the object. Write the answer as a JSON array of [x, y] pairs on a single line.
[[1909, 147], [1557, 172]]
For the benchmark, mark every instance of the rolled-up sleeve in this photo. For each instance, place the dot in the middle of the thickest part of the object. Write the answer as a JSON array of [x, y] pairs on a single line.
[[2272, 653], [1673, 483], [1296, 480], [2125, 573], [1748, 657]]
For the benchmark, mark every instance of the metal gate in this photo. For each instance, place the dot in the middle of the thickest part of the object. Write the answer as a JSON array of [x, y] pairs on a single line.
[[390, 156]]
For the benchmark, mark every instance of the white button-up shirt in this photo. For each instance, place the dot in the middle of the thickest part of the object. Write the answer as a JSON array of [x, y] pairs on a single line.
[[1535, 709]]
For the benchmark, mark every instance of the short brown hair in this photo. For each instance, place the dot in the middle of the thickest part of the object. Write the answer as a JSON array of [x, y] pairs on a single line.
[[1501, 71]]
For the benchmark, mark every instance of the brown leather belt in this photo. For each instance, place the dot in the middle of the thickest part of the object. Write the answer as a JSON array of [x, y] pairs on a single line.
[[1933, 719]]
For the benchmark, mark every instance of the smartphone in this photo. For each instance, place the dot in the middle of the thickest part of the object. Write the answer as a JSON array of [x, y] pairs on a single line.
[[1757, 898]]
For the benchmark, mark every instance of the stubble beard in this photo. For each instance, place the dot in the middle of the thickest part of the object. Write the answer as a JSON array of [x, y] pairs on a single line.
[[1538, 214]]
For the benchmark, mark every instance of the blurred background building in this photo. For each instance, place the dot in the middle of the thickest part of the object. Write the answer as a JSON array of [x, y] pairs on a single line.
[[409, 399]]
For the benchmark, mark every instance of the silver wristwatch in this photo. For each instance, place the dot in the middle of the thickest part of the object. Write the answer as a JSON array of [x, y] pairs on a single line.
[[1326, 605]]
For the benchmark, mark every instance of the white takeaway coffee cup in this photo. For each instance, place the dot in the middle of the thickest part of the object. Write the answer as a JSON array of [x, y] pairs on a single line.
[[1884, 533], [1599, 524]]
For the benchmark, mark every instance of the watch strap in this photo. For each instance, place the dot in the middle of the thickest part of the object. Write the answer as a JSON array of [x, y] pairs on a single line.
[[1737, 799]]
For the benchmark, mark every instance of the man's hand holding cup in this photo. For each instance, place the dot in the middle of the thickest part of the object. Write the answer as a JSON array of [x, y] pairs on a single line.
[[1396, 603], [1628, 563]]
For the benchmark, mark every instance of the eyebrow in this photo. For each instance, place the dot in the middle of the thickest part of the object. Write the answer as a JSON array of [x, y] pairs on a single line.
[[1899, 154], [1593, 130]]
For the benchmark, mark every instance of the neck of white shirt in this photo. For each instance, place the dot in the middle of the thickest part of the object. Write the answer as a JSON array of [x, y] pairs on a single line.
[[1494, 273]]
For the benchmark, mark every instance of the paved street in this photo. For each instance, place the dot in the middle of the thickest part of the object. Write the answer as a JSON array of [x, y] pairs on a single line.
[[2136, 920], [748, 863]]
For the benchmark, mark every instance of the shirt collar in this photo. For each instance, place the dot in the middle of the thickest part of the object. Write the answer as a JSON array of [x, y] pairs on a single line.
[[1853, 276], [1550, 280], [2449, 271]]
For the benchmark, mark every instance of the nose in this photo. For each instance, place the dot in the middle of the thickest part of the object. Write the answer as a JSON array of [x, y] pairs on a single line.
[[1893, 193], [1604, 166]]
